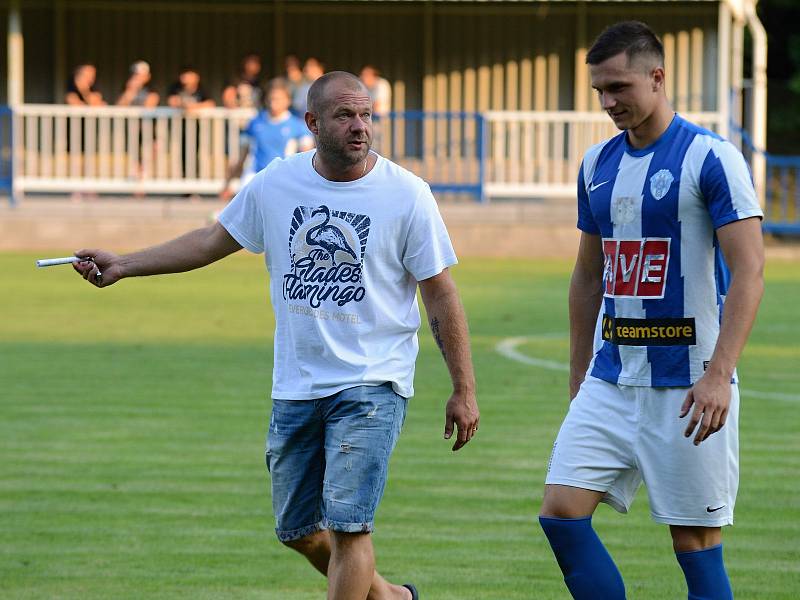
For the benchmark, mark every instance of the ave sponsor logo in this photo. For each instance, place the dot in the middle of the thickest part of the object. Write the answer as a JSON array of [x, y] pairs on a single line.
[[635, 268]]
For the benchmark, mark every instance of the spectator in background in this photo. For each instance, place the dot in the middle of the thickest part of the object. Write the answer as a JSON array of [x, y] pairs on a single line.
[[273, 133], [81, 90], [244, 90], [187, 93], [379, 90], [137, 91], [313, 69], [294, 74]]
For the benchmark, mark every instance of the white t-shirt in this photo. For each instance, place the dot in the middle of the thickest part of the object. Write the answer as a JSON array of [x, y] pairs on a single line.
[[344, 260]]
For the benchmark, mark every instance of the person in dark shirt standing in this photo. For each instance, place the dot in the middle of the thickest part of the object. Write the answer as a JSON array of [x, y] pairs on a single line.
[[244, 90], [81, 90], [187, 93]]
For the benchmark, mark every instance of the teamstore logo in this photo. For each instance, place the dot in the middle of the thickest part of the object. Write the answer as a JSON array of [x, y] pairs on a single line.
[[326, 250]]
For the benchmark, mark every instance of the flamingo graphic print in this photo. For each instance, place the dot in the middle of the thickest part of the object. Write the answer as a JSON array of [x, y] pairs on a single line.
[[328, 237], [326, 250]]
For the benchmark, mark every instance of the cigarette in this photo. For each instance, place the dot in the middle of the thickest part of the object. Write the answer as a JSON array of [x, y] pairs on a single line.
[[50, 262]]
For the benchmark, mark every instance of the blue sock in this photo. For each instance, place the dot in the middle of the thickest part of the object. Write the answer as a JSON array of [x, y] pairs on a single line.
[[705, 574], [589, 571]]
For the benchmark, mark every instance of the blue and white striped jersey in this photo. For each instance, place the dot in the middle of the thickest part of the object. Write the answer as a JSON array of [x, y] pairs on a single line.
[[664, 278]]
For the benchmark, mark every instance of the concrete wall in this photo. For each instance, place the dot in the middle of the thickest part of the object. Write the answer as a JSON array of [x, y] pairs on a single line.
[[502, 230], [509, 230]]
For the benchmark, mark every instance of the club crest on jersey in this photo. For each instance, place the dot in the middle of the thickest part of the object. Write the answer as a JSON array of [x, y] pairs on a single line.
[[623, 209], [660, 182]]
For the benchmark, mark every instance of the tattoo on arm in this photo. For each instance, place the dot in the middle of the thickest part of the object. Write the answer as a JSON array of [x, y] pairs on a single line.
[[437, 335]]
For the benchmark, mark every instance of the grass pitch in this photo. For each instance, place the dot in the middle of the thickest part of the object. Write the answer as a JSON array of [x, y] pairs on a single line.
[[133, 423]]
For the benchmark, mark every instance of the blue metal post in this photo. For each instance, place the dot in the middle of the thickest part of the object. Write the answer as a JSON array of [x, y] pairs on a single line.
[[480, 121], [7, 140]]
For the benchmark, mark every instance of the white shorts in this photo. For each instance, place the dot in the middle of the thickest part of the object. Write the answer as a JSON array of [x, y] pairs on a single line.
[[615, 437]]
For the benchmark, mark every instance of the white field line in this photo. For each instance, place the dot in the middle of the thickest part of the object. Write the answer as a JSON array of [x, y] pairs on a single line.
[[508, 348]]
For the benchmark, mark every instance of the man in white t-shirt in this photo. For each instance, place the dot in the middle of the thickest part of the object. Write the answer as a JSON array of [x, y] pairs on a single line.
[[347, 236]]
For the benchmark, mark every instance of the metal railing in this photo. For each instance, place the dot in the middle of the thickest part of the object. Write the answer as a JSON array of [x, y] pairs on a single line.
[[781, 185], [125, 150], [131, 150], [538, 154], [446, 149], [7, 153], [63, 149]]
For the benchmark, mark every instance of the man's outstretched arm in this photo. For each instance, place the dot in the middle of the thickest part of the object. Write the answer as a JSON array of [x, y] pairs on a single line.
[[192, 250], [449, 327]]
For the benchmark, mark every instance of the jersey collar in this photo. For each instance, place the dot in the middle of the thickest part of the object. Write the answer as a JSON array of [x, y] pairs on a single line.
[[663, 139]]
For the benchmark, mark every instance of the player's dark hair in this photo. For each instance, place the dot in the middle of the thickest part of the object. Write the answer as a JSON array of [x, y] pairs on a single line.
[[634, 38]]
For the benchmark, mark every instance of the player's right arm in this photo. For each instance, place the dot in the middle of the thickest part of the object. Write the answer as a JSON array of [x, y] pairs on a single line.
[[585, 296], [192, 250]]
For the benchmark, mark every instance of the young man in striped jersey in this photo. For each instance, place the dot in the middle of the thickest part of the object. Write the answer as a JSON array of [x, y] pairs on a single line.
[[670, 231]]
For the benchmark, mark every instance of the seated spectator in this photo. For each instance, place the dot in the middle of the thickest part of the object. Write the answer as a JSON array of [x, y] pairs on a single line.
[[313, 69], [137, 91], [272, 133], [187, 93], [244, 90], [379, 90], [81, 90]]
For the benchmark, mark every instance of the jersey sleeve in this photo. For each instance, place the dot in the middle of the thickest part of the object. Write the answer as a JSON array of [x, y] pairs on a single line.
[[428, 250], [243, 217], [586, 220], [727, 187]]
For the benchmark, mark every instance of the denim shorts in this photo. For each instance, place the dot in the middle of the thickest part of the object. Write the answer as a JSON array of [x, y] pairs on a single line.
[[329, 459]]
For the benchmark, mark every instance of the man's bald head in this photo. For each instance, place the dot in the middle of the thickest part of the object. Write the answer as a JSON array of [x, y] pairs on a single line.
[[324, 89]]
